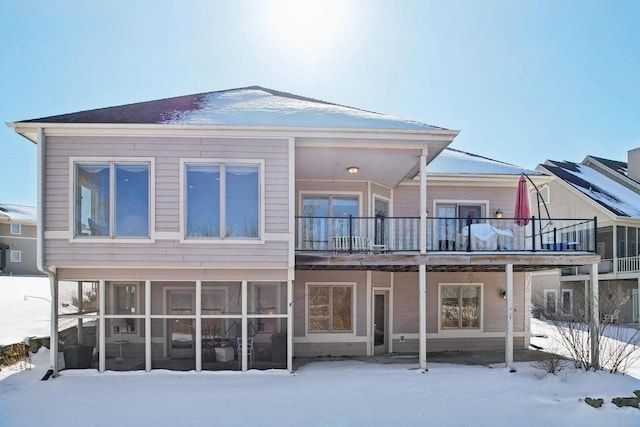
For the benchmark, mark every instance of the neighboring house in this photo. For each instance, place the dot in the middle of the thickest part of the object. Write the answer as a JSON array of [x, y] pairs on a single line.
[[18, 240], [175, 228], [610, 191]]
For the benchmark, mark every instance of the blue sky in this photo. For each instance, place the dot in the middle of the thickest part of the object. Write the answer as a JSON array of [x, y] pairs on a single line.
[[524, 81]]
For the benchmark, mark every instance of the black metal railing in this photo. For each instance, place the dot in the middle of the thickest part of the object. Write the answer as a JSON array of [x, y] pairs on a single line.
[[353, 234]]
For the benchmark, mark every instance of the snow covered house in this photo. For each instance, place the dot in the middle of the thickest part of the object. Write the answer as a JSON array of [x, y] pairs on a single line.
[[609, 190], [241, 228], [18, 240]]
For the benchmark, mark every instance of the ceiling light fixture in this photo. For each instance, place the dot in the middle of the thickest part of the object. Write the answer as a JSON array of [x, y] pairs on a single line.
[[353, 170]]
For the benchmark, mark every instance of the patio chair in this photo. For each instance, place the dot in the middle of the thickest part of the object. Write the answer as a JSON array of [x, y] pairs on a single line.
[[612, 317], [249, 351]]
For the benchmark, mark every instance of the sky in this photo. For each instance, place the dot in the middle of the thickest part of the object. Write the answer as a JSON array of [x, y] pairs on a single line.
[[524, 81]]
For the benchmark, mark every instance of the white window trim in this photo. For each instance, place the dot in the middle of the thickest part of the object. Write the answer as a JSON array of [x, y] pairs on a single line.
[[484, 203], [14, 232], [261, 202], [18, 254], [555, 296], [303, 193], [152, 200], [354, 326], [453, 332]]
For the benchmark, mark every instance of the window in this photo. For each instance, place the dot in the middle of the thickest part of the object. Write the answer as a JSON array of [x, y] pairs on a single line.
[[16, 229], [567, 302], [112, 199], [326, 217], [16, 256], [222, 201], [453, 217], [330, 308], [550, 301], [460, 306]]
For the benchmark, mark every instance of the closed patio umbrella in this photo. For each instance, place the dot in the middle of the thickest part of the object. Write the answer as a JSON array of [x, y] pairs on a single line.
[[522, 212]]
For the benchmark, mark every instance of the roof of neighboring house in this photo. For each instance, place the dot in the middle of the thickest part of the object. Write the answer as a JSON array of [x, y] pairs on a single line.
[[614, 165], [18, 214], [249, 106], [451, 161], [614, 196]]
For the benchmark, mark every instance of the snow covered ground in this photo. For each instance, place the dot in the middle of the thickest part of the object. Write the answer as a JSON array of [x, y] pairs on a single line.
[[20, 317], [345, 393]]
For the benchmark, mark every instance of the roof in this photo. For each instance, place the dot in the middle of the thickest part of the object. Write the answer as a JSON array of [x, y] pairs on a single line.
[[18, 214], [249, 106], [452, 161], [607, 192], [614, 165]]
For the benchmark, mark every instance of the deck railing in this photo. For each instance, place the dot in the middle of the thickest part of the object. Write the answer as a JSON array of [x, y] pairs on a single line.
[[401, 234]]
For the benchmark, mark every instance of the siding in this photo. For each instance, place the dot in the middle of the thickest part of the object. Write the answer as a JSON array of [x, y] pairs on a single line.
[[167, 153], [407, 201], [26, 243]]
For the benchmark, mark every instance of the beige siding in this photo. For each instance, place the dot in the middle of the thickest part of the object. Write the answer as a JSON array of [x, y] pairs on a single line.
[[167, 153], [564, 203], [405, 303], [406, 200], [330, 349], [493, 305], [173, 274]]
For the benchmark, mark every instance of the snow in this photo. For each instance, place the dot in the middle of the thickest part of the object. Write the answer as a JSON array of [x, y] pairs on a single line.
[[340, 393], [451, 161], [255, 107], [606, 190], [344, 393], [18, 214], [20, 317]]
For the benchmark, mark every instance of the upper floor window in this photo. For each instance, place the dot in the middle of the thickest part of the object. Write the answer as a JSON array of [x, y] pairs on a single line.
[[222, 201], [112, 199], [16, 229]]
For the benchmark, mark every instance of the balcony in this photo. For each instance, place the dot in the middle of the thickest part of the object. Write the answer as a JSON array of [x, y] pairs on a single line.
[[397, 235]]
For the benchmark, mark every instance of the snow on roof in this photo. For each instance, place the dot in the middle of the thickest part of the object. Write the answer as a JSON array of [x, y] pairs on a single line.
[[18, 214], [615, 197], [615, 165], [452, 161], [250, 106]]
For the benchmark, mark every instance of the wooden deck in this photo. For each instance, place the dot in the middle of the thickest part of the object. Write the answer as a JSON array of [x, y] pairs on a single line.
[[444, 261]]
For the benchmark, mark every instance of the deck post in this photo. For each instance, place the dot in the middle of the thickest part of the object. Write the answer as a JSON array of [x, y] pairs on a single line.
[[290, 322], [198, 326], [147, 322], [102, 357], [509, 334], [594, 321], [245, 328], [423, 202], [422, 317]]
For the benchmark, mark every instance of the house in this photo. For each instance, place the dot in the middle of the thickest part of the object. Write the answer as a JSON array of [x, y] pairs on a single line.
[[610, 191], [18, 240], [241, 228]]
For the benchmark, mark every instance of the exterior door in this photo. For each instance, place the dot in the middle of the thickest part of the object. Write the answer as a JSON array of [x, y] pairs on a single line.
[[181, 331], [381, 226], [380, 322]]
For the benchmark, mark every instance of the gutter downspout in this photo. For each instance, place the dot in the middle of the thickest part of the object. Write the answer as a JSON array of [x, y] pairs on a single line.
[[53, 340]]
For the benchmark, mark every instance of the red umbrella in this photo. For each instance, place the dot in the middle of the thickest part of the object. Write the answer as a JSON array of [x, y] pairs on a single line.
[[523, 213]]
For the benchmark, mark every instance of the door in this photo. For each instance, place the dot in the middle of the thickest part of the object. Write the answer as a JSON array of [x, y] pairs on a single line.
[[381, 226], [380, 323], [181, 331]]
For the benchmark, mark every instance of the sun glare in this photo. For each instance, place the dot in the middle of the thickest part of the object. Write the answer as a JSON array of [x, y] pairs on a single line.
[[307, 27]]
